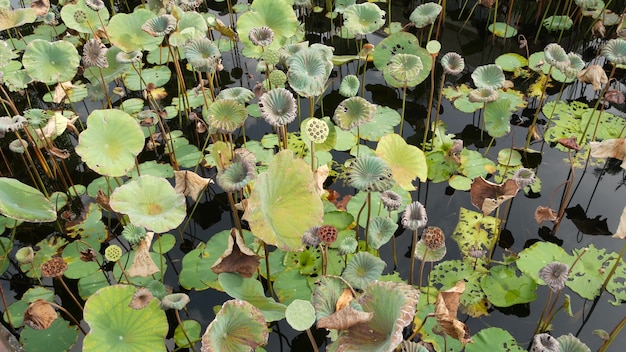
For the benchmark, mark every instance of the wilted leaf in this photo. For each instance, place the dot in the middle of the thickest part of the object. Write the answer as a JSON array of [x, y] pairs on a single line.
[[487, 196], [237, 258], [190, 183], [621, 229], [445, 312], [344, 319], [610, 148], [545, 214], [143, 265]]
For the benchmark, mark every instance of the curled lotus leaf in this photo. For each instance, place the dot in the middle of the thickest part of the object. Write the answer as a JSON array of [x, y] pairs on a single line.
[[15, 18], [238, 327], [309, 70], [382, 229], [425, 14], [240, 94], [558, 23], [362, 269], [345, 318], [126, 33], [150, 202], [593, 74], [363, 18], [487, 196], [237, 258], [615, 51], [393, 305], [111, 142], [114, 326], [51, 62], [488, 76], [446, 313], [405, 68], [226, 115], [571, 343], [349, 86], [353, 112], [452, 63]]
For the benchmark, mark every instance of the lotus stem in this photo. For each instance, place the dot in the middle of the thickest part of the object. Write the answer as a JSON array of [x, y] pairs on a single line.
[[403, 109], [600, 98], [69, 316], [616, 330], [270, 287], [443, 79], [496, 239], [123, 272], [469, 16], [69, 292], [539, 105], [312, 156], [312, 339], [488, 146], [413, 244], [182, 328], [393, 249], [324, 258], [367, 224], [4, 301], [545, 13], [568, 188], [430, 100], [419, 283]]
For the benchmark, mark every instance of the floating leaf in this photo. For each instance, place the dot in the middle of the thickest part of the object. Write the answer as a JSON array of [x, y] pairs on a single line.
[[401, 43], [487, 196], [51, 62], [60, 336], [114, 326], [474, 229], [111, 142], [237, 327], [150, 202], [505, 288], [275, 14], [20, 201], [251, 290], [407, 162], [237, 258], [558, 23], [284, 204], [125, 31], [493, 339], [300, 315], [502, 30]]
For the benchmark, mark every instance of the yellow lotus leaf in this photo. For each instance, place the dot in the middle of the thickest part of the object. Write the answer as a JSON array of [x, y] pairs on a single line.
[[407, 162]]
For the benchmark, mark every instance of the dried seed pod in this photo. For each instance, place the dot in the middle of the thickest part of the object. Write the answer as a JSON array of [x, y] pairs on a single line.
[[39, 315], [433, 238], [55, 267], [327, 233]]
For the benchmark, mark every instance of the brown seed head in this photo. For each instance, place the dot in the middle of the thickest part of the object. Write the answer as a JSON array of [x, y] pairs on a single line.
[[55, 267], [327, 233], [433, 238]]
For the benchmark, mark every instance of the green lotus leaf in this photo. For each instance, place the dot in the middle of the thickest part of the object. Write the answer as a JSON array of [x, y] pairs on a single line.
[[605, 125], [504, 288], [405, 68], [488, 76], [112, 72], [353, 112], [401, 43], [202, 54], [349, 86], [473, 164], [51, 62], [570, 343], [81, 18], [20, 201], [36, 293], [240, 94], [474, 230], [278, 15], [125, 31], [6, 55], [16, 312], [90, 284], [290, 285], [188, 330], [164, 243], [407, 162], [440, 167], [425, 14], [188, 277], [114, 326], [381, 231], [586, 276], [363, 18], [449, 272], [5, 248], [362, 269], [535, 257], [226, 115], [307, 262], [60, 336], [284, 203], [77, 268], [325, 296], [153, 168], [511, 61], [509, 157], [111, 142], [493, 339], [16, 18], [497, 116], [378, 209], [238, 327], [191, 25], [251, 290], [423, 253], [502, 30], [300, 314], [558, 23], [150, 202], [91, 230], [157, 76], [615, 51], [309, 70], [382, 124], [393, 305]]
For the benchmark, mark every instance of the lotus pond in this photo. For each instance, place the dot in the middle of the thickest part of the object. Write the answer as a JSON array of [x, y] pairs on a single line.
[[288, 175]]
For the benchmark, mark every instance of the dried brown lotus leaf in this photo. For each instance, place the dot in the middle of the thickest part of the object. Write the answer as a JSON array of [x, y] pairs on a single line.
[[610, 148], [569, 143], [39, 315], [190, 183], [41, 7], [319, 176], [103, 200], [487, 196], [446, 309], [344, 319], [621, 228], [545, 214], [141, 298], [143, 265], [237, 258], [344, 300], [593, 74], [614, 96], [59, 153]]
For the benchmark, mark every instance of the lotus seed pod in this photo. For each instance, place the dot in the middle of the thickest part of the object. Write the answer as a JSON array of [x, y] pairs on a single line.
[[80, 16], [327, 233], [55, 267], [271, 56], [317, 130], [113, 253], [433, 238], [25, 255], [277, 78]]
